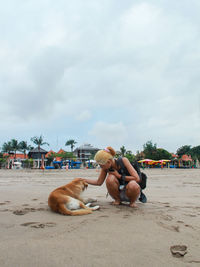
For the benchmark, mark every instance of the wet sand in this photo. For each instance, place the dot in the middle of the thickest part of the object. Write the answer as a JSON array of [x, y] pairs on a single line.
[[32, 235]]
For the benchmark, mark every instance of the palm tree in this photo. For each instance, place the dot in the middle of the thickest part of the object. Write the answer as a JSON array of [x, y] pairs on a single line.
[[38, 141], [123, 150], [15, 146], [71, 143], [7, 147], [23, 147]]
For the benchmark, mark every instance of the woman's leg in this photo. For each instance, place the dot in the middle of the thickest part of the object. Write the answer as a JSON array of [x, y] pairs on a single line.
[[133, 192], [112, 185]]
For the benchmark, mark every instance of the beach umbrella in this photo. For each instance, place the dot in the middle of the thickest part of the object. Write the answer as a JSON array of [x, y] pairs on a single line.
[[91, 161], [145, 161], [164, 160]]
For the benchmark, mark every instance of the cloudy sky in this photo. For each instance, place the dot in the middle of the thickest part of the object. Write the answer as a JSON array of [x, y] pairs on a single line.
[[106, 72]]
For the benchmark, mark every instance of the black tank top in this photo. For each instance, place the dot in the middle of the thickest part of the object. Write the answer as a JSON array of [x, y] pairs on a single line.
[[122, 170]]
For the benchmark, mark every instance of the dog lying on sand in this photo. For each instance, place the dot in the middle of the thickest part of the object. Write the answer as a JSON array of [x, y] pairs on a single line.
[[67, 199]]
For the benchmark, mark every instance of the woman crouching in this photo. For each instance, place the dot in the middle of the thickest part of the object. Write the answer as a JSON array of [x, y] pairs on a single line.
[[121, 178]]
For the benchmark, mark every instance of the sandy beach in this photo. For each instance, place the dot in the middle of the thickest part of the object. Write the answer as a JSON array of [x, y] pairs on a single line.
[[32, 235]]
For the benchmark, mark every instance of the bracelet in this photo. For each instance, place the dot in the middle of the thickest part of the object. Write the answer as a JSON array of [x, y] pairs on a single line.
[[123, 177]]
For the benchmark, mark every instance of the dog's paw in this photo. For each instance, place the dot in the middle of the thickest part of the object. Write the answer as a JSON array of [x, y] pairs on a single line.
[[95, 207], [90, 200], [88, 205]]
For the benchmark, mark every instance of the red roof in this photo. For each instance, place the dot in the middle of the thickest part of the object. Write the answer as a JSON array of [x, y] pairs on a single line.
[[186, 158], [61, 151], [49, 153], [18, 156]]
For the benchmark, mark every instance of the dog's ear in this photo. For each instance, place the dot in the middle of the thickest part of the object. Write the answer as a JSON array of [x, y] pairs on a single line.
[[78, 180], [85, 184]]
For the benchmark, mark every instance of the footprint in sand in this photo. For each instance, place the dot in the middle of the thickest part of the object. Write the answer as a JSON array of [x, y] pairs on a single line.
[[188, 225], [4, 210], [30, 209], [167, 217], [43, 209], [178, 250], [38, 224], [34, 199], [5, 202], [26, 210], [103, 216], [174, 228], [23, 211], [126, 216], [28, 223], [20, 212]]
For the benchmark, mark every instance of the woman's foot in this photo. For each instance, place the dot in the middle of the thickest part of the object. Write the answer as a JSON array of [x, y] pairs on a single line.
[[116, 202], [133, 205]]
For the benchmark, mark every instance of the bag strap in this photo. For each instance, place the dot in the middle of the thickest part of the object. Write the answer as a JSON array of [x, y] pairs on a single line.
[[134, 164], [121, 164], [122, 170]]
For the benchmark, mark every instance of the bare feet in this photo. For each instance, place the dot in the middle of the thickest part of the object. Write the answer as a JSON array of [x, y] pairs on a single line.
[[133, 205], [116, 202]]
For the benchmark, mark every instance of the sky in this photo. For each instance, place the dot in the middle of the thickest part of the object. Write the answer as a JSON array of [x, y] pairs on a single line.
[[106, 72]]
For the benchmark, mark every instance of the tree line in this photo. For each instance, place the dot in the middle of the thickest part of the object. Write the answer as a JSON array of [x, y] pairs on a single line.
[[149, 151], [14, 145]]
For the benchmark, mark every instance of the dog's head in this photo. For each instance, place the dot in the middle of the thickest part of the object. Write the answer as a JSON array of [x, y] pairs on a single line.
[[81, 182]]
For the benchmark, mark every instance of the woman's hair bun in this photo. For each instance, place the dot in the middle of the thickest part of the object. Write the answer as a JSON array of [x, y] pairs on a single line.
[[112, 151]]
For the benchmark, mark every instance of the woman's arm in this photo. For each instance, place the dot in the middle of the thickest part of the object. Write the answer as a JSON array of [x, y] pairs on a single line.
[[100, 179], [133, 174]]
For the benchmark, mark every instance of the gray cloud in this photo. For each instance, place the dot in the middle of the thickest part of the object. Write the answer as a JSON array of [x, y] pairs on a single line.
[[108, 64]]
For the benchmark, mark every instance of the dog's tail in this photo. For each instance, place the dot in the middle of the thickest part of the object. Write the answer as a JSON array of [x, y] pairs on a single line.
[[63, 210]]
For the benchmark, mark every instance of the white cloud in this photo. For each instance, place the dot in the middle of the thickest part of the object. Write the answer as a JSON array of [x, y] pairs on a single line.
[[136, 64], [84, 115], [109, 133]]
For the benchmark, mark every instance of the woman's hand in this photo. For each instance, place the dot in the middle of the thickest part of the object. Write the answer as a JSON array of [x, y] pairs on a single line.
[[115, 173]]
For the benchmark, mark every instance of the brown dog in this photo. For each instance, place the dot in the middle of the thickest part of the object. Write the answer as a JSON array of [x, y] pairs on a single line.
[[67, 199]]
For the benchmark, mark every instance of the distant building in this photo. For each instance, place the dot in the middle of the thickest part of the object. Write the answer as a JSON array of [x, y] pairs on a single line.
[[15, 160], [85, 152], [38, 156]]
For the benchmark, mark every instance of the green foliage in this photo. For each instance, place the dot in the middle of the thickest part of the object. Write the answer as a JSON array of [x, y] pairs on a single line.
[[149, 150], [162, 154], [71, 143], [23, 146], [195, 152], [38, 141], [184, 150], [7, 147], [65, 155], [50, 158], [152, 152], [11, 146], [3, 160], [122, 151], [28, 163], [118, 154], [14, 145], [130, 156], [139, 155]]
